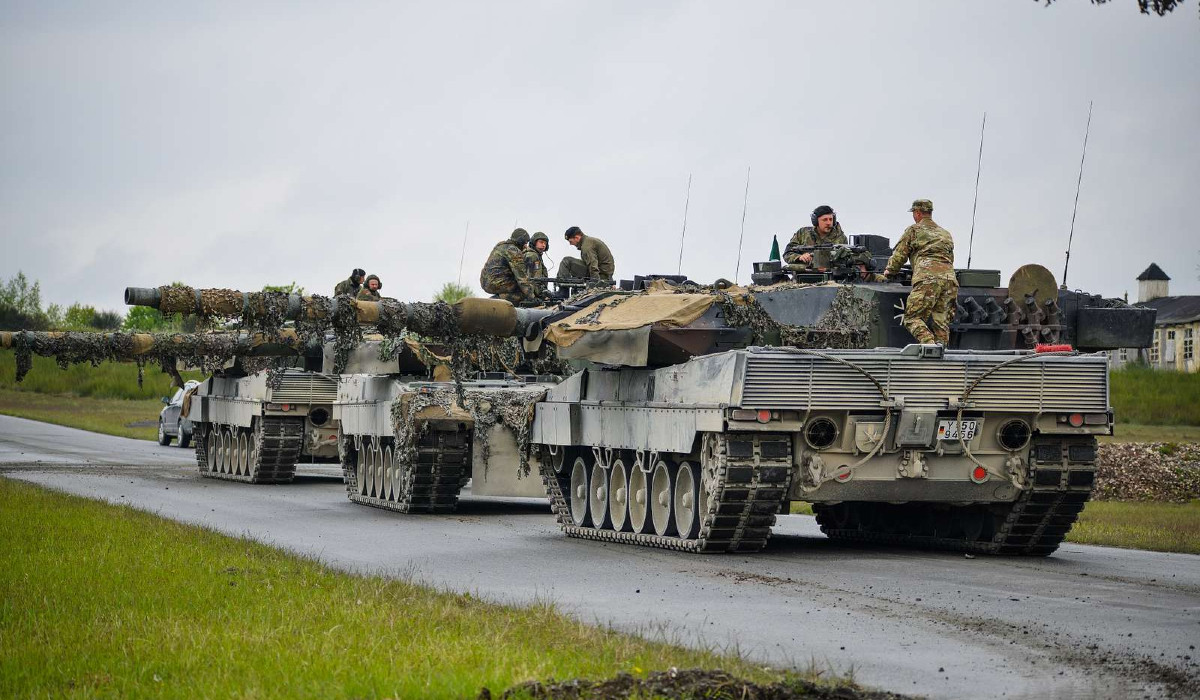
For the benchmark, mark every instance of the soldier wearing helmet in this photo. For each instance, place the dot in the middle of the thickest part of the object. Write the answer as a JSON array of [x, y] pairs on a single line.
[[370, 290], [539, 243], [504, 275], [934, 285], [825, 230]]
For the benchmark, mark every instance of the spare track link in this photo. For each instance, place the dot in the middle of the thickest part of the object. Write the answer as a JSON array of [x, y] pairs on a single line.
[[752, 474], [442, 468], [278, 444], [1061, 475]]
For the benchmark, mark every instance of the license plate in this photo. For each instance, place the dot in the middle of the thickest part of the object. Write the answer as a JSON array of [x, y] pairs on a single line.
[[951, 429]]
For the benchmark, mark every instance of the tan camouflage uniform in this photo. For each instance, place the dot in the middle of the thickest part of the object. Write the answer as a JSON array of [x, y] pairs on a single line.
[[808, 236], [505, 275], [934, 286]]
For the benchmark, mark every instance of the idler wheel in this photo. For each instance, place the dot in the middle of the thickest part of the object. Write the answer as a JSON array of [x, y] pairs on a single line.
[[579, 492], [639, 500], [687, 500], [662, 492], [598, 498], [618, 496]]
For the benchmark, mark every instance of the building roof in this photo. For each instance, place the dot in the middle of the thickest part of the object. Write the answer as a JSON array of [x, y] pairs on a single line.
[[1154, 272], [1174, 309]]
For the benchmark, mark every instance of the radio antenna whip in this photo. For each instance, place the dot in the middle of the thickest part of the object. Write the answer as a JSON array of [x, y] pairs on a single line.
[[463, 256], [683, 233], [1078, 183], [978, 169], [745, 201]]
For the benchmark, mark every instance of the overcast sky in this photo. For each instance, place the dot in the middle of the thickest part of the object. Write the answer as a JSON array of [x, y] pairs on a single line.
[[246, 143]]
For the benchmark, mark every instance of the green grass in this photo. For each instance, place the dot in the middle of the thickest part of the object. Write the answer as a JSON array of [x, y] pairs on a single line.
[[110, 416], [1131, 432], [1159, 527], [106, 601], [1155, 397], [111, 380]]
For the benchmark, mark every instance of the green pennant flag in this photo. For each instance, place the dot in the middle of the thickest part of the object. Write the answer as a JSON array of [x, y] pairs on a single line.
[[774, 248]]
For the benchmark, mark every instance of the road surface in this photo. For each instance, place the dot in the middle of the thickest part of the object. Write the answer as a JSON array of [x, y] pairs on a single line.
[[1085, 622]]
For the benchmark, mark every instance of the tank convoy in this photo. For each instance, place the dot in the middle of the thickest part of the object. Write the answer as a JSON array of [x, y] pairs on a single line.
[[697, 414]]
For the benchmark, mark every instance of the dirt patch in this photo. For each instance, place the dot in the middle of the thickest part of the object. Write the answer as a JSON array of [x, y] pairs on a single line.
[[687, 683], [1148, 471]]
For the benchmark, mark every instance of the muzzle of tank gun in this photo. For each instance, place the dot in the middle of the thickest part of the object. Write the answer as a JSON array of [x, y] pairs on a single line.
[[492, 317]]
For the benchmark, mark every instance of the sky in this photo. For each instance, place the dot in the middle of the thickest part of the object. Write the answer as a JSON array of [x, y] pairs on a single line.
[[248, 143]]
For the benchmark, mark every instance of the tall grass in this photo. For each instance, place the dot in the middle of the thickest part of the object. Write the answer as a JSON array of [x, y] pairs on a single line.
[[101, 600], [1155, 397], [1159, 527], [111, 380]]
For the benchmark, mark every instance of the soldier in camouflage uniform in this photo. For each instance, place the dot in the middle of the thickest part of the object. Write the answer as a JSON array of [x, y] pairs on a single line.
[[370, 290], [352, 285], [539, 243], [934, 286], [505, 275], [597, 262], [825, 230]]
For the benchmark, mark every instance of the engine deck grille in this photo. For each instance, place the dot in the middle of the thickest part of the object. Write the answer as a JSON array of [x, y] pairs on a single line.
[[304, 387]]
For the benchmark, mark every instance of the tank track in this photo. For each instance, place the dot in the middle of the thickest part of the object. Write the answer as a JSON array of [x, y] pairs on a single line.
[[278, 443], [750, 475], [1061, 474], [430, 485]]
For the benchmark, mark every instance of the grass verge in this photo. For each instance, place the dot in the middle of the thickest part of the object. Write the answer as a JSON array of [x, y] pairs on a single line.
[[110, 416], [110, 380], [102, 600], [1134, 432], [1155, 397], [1159, 527]]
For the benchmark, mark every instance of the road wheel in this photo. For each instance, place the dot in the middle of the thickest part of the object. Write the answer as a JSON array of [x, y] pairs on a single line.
[[618, 495], [662, 491], [363, 487], [184, 439], [639, 500], [579, 492], [687, 491], [243, 442], [163, 438], [213, 451]]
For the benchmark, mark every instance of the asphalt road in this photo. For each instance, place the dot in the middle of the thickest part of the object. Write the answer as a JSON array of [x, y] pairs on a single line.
[[1085, 622]]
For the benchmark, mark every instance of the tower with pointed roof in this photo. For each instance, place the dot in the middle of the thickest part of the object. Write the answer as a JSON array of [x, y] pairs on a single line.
[[1152, 284]]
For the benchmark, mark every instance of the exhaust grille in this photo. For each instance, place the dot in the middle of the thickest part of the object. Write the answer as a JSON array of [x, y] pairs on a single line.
[[304, 387], [793, 380]]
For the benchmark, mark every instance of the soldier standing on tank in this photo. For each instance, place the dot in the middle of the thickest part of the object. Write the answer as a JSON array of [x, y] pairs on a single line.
[[825, 230], [370, 290], [539, 243], [597, 262], [505, 275], [934, 286], [352, 285]]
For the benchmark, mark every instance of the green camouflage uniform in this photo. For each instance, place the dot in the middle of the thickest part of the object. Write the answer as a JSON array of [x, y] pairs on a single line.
[[534, 265], [347, 286], [366, 294], [597, 262], [808, 236], [505, 275], [934, 286]]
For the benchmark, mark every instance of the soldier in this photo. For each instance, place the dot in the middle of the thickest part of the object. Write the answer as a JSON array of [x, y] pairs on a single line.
[[934, 286], [539, 243], [504, 275], [370, 290], [597, 263], [352, 285], [825, 230]]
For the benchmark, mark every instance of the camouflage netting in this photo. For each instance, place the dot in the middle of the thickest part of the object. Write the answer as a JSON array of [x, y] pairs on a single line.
[[486, 407], [845, 325]]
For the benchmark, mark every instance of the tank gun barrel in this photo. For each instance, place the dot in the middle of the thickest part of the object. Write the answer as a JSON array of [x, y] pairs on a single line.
[[130, 346], [493, 317]]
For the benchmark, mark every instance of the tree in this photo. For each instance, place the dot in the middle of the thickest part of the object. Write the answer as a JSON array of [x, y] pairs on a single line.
[[1158, 7], [107, 320], [145, 319], [452, 292], [292, 288], [22, 297]]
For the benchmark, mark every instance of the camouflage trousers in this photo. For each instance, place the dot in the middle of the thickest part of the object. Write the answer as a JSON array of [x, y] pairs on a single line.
[[932, 299]]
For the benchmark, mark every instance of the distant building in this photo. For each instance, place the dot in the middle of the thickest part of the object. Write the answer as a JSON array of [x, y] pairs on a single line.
[[1176, 326]]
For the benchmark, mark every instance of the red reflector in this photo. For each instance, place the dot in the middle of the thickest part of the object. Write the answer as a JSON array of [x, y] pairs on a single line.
[[1075, 419], [764, 416], [287, 407], [979, 474], [1042, 347]]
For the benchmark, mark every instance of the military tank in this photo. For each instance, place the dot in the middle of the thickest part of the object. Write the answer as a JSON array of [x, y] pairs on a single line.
[[701, 412]]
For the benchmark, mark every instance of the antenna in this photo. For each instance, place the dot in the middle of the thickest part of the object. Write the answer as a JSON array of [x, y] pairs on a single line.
[[463, 256], [1078, 183], [683, 233], [745, 201], [978, 168]]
